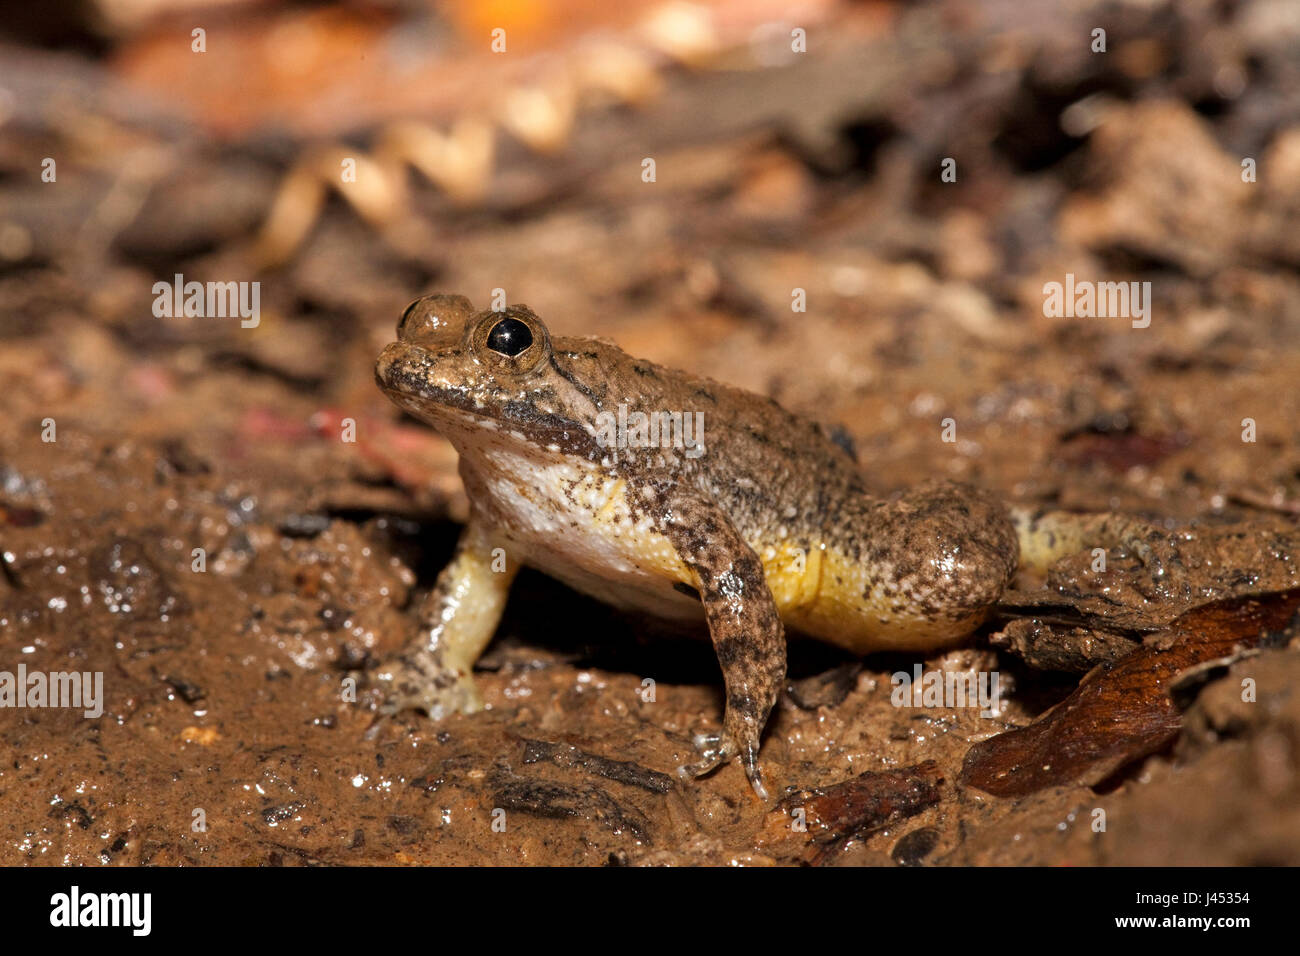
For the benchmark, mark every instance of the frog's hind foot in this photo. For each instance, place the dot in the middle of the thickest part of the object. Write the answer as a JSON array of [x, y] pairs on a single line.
[[419, 682], [713, 754], [715, 750]]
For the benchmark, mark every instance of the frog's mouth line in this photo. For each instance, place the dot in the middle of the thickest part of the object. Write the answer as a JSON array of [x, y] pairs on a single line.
[[405, 384], [411, 390]]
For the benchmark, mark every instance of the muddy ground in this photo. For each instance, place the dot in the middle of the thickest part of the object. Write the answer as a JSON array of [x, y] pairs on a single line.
[[229, 735]]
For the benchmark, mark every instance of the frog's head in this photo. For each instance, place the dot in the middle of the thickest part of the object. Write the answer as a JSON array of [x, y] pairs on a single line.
[[456, 368]]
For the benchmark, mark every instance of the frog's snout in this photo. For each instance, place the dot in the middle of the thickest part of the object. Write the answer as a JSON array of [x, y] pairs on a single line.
[[415, 378], [402, 367], [388, 361]]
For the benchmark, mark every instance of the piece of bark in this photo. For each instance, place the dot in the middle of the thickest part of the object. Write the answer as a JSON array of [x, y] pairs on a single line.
[[826, 689], [1067, 648], [559, 801], [620, 771], [1124, 711], [827, 817]]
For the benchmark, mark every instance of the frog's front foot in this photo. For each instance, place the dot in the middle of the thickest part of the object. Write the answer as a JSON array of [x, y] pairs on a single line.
[[419, 682], [717, 749]]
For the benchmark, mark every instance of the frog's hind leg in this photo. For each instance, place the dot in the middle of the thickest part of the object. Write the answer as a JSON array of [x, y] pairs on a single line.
[[1047, 536], [458, 619], [745, 627]]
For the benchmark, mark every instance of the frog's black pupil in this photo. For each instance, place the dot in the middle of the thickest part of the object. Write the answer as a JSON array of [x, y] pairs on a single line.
[[509, 337]]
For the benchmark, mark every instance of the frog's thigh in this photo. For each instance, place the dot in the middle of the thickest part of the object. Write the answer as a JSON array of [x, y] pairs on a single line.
[[743, 622], [461, 613]]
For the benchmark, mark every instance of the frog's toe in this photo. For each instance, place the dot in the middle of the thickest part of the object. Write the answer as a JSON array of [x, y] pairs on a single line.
[[714, 752], [708, 744], [1154, 552], [415, 685], [705, 765], [717, 749], [753, 773]]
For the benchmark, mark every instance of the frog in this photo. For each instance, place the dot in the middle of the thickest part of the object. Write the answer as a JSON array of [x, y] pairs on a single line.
[[736, 512]]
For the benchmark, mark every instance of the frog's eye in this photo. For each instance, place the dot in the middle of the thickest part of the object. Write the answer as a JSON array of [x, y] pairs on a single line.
[[434, 318], [513, 342], [410, 320], [510, 337]]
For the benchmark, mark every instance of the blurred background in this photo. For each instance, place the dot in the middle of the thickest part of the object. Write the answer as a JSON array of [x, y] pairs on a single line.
[[350, 157], [854, 208]]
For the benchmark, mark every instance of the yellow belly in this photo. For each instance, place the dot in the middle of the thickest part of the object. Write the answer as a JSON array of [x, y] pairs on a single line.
[[829, 596], [574, 523]]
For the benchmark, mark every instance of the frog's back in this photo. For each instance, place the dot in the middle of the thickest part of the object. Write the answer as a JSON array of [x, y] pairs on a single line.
[[909, 573], [914, 572], [766, 465]]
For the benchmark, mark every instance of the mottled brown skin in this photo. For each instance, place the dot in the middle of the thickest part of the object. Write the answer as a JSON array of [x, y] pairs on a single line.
[[772, 521]]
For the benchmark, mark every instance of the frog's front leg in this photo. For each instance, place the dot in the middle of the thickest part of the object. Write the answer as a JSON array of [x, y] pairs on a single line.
[[744, 625], [457, 620]]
